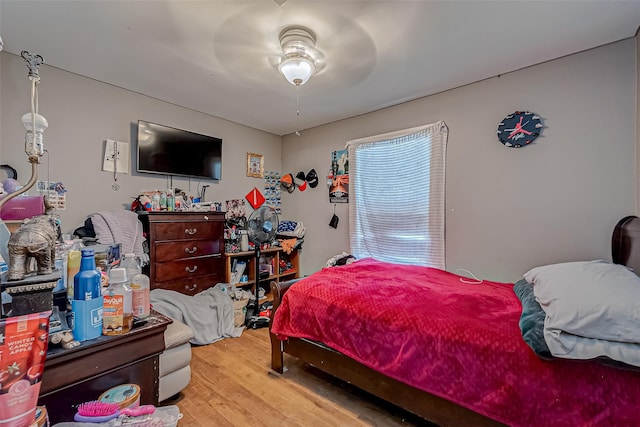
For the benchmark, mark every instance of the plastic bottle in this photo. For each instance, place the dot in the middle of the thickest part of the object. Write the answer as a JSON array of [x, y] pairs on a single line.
[[87, 303], [117, 318], [73, 266], [171, 204], [155, 201], [140, 287], [163, 201], [86, 282]]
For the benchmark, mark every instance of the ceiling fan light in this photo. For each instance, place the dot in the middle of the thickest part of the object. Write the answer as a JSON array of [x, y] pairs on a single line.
[[297, 70]]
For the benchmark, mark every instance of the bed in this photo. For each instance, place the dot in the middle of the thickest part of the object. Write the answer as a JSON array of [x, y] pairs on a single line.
[[469, 365]]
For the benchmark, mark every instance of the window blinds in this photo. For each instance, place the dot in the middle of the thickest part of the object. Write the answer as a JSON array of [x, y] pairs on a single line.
[[397, 196]]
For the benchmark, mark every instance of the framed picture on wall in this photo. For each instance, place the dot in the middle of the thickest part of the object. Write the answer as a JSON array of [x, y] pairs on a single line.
[[255, 165]]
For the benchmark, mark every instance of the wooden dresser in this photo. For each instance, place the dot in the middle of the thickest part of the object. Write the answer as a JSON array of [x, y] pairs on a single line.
[[185, 250]]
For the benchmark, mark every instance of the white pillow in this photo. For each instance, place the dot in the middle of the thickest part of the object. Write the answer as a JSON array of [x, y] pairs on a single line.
[[593, 299]]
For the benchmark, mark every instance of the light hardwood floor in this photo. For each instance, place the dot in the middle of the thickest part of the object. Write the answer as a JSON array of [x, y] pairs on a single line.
[[232, 385]]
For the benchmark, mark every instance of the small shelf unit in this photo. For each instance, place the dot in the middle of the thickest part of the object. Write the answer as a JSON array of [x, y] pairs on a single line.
[[273, 256]]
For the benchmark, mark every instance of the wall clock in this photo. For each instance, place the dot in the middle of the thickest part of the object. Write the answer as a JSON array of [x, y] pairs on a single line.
[[519, 129]]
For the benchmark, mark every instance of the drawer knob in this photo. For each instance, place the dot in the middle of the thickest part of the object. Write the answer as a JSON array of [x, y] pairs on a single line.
[[191, 270], [191, 251], [191, 288], [191, 231]]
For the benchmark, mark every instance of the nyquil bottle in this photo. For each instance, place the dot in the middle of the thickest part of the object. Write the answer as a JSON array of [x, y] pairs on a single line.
[[118, 315]]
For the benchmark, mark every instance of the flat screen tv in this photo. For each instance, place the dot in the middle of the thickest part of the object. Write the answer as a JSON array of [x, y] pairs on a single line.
[[169, 151]]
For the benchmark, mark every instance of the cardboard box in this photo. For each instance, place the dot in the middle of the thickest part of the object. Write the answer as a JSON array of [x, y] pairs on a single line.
[[239, 312]]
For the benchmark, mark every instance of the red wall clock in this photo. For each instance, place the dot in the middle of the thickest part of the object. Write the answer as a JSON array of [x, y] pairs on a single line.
[[519, 129]]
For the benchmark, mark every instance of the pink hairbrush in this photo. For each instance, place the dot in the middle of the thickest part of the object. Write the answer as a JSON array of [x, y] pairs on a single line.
[[99, 412]]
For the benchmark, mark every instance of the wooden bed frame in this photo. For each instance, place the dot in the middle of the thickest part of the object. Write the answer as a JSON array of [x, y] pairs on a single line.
[[418, 402], [625, 250]]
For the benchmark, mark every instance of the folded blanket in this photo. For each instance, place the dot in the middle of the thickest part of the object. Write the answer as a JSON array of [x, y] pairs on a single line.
[[591, 310], [209, 313], [532, 326], [120, 226], [532, 319]]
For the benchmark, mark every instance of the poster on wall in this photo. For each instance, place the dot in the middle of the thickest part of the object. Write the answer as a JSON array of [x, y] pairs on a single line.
[[339, 187], [272, 190]]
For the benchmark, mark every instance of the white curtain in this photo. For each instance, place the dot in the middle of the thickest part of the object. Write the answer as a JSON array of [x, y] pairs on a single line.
[[397, 196]]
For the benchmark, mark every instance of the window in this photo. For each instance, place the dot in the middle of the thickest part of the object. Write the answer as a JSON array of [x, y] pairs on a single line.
[[397, 196]]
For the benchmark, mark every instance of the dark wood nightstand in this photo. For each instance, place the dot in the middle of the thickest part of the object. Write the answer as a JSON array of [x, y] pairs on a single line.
[[83, 373]]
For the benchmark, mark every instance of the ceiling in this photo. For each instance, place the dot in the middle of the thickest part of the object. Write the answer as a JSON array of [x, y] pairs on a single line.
[[220, 57]]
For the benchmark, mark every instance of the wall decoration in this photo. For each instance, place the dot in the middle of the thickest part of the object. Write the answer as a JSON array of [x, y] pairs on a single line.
[[301, 181], [255, 198], [519, 129], [255, 165], [338, 178], [55, 192], [312, 178], [272, 190], [116, 159], [116, 156]]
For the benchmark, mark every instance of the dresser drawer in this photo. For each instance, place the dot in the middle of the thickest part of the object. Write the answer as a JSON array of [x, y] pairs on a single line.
[[169, 251], [188, 267], [190, 286], [188, 230]]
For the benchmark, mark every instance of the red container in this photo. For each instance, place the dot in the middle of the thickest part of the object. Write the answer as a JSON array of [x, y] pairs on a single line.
[[21, 207]]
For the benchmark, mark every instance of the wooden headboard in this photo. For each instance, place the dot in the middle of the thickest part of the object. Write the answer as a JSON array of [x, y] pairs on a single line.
[[625, 243]]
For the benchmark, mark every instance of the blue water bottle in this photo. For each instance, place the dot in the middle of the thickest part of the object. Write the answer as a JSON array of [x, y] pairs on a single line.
[[87, 299]]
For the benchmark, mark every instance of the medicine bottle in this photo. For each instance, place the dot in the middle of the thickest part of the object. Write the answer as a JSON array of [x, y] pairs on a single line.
[[140, 287], [117, 315]]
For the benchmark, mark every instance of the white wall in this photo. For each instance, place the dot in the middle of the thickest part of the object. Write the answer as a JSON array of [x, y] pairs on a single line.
[[637, 40], [508, 209], [83, 113]]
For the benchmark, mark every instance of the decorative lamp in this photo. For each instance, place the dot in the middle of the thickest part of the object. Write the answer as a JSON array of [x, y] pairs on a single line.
[[35, 124], [298, 46], [297, 70]]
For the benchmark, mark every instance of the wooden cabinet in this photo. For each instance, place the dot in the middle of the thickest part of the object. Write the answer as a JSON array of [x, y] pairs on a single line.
[[285, 266], [185, 250], [81, 374]]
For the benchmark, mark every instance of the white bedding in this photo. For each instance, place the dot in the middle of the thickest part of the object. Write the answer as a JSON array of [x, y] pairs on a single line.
[[592, 309]]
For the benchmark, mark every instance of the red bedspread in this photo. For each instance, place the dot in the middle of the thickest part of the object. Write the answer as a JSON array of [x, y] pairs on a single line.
[[459, 341]]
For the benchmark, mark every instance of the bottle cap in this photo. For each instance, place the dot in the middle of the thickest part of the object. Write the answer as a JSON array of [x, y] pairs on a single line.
[[87, 252], [118, 275]]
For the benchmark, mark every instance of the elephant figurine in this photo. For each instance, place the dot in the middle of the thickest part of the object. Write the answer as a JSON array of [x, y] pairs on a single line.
[[37, 239]]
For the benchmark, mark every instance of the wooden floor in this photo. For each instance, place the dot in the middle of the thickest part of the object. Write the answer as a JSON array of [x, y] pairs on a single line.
[[232, 385]]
